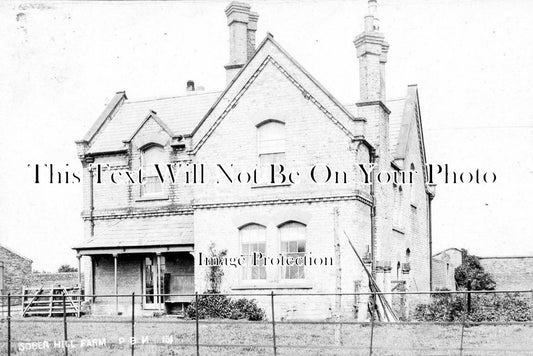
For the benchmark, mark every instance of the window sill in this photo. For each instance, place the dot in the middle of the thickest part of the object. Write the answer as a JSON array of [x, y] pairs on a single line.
[[280, 285], [271, 185], [152, 198]]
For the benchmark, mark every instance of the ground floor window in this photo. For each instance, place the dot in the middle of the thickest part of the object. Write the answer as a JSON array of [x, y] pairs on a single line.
[[292, 238], [253, 239]]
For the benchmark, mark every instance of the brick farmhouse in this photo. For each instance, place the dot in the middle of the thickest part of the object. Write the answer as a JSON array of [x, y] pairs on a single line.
[[147, 238]]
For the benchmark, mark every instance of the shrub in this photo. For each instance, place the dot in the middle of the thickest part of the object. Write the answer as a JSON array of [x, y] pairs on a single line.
[[246, 309], [484, 307], [222, 307], [210, 306], [443, 307], [471, 275]]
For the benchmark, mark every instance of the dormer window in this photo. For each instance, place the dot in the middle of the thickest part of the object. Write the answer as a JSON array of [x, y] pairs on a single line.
[[270, 145], [151, 156]]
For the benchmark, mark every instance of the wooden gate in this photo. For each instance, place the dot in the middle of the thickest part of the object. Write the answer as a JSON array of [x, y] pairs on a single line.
[[49, 301]]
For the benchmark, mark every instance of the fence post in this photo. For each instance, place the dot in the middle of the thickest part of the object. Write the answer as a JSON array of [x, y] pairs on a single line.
[[462, 330], [197, 328], [273, 323], [9, 324], [133, 323], [65, 322], [469, 297], [372, 312], [462, 336]]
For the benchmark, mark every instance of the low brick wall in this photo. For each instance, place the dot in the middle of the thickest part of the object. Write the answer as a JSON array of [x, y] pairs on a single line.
[[65, 279], [510, 272]]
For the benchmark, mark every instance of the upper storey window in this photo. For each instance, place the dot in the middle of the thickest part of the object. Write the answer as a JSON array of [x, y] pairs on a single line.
[[151, 156], [397, 217], [412, 191], [270, 144]]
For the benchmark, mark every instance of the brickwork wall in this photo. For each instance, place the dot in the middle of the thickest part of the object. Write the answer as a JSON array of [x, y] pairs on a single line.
[[65, 279], [510, 272], [16, 268], [414, 222], [311, 138], [443, 275], [444, 265], [129, 270], [318, 217]]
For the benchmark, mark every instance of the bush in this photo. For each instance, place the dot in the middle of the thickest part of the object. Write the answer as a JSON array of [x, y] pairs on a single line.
[[471, 275], [484, 307], [246, 309], [222, 307]]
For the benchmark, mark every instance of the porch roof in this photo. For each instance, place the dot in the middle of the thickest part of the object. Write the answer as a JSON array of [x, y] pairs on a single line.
[[153, 234]]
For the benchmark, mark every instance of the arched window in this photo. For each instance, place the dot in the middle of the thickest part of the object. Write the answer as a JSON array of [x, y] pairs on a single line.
[[407, 254], [270, 145], [253, 240], [398, 203], [293, 244], [412, 191], [151, 156], [398, 267]]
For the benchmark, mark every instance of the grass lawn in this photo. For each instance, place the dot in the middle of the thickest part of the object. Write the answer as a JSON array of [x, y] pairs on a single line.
[[87, 335]]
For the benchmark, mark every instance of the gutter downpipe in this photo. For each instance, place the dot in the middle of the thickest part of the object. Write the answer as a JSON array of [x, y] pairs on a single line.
[[430, 198], [91, 195], [373, 214]]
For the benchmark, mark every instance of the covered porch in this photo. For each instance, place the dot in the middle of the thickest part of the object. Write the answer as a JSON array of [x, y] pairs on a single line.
[[151, 272]]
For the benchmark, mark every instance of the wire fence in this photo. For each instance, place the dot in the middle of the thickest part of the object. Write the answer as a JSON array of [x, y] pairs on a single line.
[[137, 331]]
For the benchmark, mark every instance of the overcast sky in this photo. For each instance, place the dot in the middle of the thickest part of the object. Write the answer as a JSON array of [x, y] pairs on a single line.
[[61, 62]]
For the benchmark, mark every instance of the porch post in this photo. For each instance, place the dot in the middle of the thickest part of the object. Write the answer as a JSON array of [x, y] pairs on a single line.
[[91, 285], [79, 270], [115, 260], [159, 299]]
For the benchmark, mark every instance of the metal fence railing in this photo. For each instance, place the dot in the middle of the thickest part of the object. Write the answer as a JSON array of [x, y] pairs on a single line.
[[341, 333]]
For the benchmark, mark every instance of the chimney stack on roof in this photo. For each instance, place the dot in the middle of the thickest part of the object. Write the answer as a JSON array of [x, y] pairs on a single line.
[[190, 85], [252, 27], [372, 52], [242, 25]]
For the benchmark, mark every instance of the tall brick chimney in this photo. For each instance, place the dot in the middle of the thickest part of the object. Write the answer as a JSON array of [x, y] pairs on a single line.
[[372, 53], [242, 25], [252, 27]]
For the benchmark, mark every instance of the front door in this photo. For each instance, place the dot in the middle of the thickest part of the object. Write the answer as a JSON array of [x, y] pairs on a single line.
[[151, 283]]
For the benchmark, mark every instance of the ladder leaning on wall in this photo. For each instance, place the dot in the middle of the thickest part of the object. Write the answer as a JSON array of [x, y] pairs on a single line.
[[43, 301]]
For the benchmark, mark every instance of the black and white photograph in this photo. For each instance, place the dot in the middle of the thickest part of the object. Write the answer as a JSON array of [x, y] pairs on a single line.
[[266, 177]]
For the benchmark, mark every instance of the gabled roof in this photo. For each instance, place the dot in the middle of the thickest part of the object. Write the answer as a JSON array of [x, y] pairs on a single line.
[[15, 253], [410, 126], [270, 52], [448, 249], [396, 106], [151, 115], [199, 113], [179, 113]]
